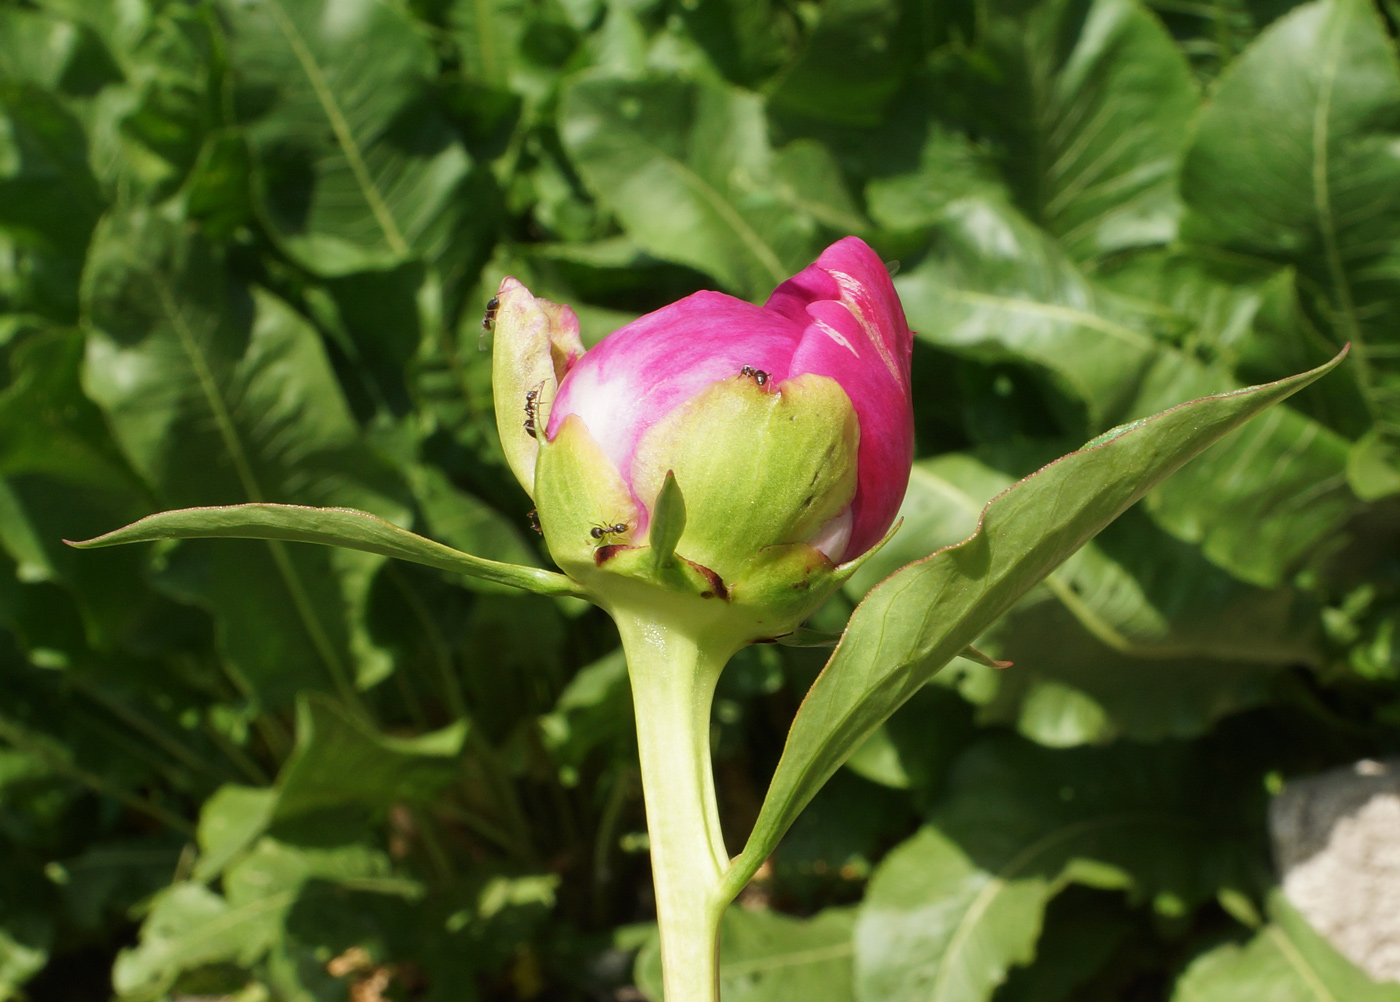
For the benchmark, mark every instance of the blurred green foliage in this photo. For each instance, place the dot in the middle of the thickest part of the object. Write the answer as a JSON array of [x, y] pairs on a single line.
[[244, 251]]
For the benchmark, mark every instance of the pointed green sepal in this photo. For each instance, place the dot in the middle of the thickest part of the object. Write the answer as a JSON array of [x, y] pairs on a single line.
[[534, 345], [667, 522]]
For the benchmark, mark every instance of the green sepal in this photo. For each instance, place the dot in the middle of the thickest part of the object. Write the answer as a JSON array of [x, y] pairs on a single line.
[[758, 465], [667, 522], [578, 491], [535, 343]]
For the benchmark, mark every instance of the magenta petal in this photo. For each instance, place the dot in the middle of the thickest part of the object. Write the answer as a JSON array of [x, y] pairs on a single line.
[[856, 334], [641, 372]]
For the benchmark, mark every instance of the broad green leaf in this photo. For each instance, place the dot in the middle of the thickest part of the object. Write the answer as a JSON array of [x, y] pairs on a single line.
[[999, 290], [852, 62], [1136, 634], [1286, 961], [1295, 160], [952, 908], [594, 709], [218, 394], [340, 760], [688, 170], [1091, 105], [36, 46], [915, 621], [49, 200], [768, 957], [353, 169], [741, 42], [229, 822], [190, 927], [344, 527], [61, 473]]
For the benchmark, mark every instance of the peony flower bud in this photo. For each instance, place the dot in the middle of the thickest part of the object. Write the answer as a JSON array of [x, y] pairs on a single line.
[[787, 430]]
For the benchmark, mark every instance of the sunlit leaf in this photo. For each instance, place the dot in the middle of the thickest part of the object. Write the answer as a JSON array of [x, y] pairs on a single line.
[[951, 909], [911, 624], [353, 169], [689, 171], [1286, 961]]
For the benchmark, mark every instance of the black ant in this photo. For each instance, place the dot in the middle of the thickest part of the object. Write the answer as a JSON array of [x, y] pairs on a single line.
[[533, 517], [759, 376], [488, 322], [603, 533], [532, 403]]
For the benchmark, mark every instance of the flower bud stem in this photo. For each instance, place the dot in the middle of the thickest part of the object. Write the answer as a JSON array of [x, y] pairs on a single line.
[[673, 676]]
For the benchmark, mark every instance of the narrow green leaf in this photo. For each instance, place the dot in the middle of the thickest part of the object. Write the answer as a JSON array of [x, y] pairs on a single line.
[[913, 623], [356, 530], [667, 522]]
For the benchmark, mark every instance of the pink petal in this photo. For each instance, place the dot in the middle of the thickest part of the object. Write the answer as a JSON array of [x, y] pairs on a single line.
[[641, 372], [856, 334]]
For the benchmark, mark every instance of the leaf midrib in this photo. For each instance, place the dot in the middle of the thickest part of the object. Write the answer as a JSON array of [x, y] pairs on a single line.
[[340, 127], [999, 881], [233, 443]]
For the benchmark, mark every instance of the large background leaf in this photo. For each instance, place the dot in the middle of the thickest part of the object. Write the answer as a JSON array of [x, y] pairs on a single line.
[[245, 251]]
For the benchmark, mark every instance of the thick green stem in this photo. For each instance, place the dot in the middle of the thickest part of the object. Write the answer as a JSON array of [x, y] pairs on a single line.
[[673, 677]]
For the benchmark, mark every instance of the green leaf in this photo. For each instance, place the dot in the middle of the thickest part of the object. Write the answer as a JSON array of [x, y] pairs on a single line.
[[1295, 161], [1091, 107], [688, 170], [595, 709], [1136, 634], [1287, 961], [229, 822], [340, 760], [768, 957], [914, 622], [189, 926], [49, 200], [353, 169], [852, 63], [1261, 500], [355, 530], [216, 393], [999, 290], [952, 908]]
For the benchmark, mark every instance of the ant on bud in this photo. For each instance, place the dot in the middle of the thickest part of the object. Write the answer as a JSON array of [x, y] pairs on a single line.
[[533, 517], [759, 376], [488, 322], [604, 533], [532, 403]]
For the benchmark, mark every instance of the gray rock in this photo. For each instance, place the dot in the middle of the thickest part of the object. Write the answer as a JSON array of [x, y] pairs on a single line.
[[1337, 842]]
